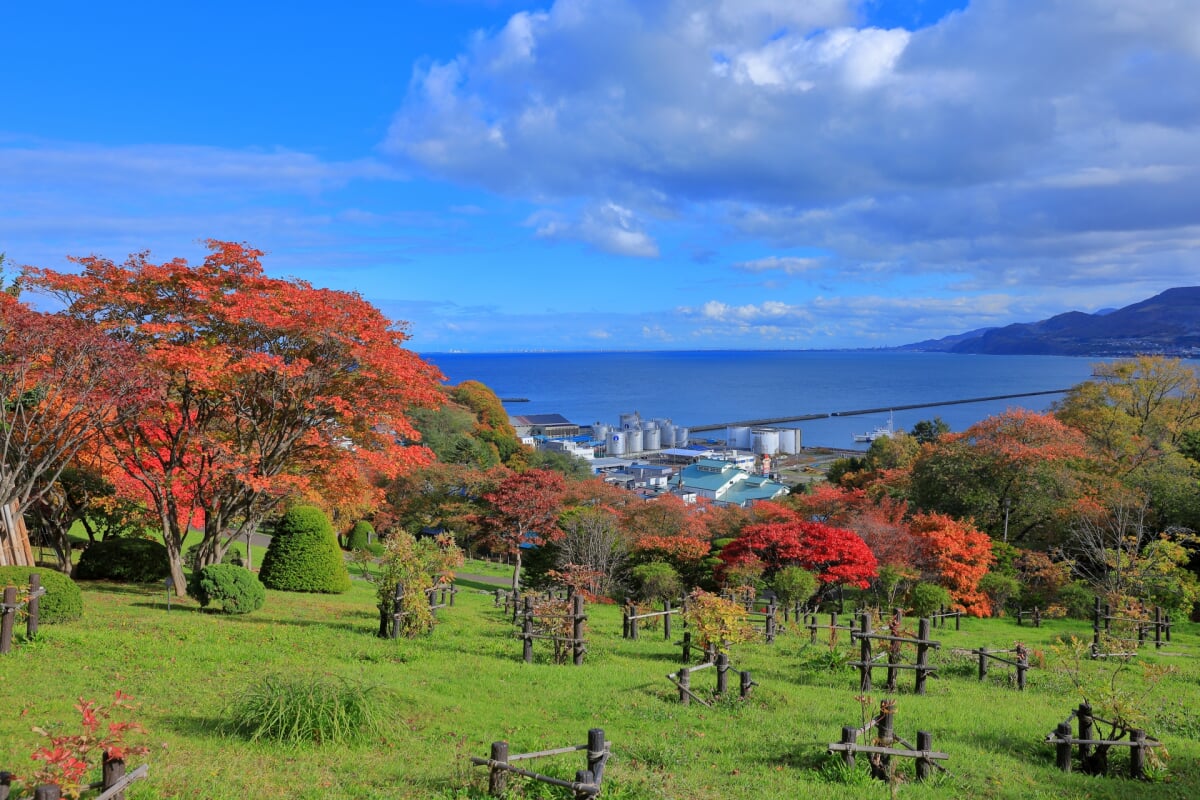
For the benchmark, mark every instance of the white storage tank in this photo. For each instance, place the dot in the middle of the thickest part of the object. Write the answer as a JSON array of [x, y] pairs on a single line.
[[630, 421], [765, 441], [738, 436], [682, 434], [651, 439], [633, 441], [662, 422], [667, 435], [616, 443], [789, 441], [600, 432]]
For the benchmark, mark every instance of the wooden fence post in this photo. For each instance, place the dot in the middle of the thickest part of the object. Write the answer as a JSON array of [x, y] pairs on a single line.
[[626, 613], [924, 765], [397, 612], [687, 646], [7, 616], [747, 684], [1062, 750], [527, 631], [1137, 754], [1022, 668], [1157, 626], [48, 792], [849, 736], [595, 754], [722, 673], [983, 662], [770, 625], [583, 776], [864, 683], [498, 777], [922, 653], [886, 737], [666, 620], [111, 771], [685, 686], [33, 606], [1085, 731], [577, 620]]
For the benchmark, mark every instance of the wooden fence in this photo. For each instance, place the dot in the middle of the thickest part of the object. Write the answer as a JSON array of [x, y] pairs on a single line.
[[630, 619], [1102, 622], [683, 680], [883, 749], [868, 662], [576, 641], [9, 608], [1093, 752], [113, 784], [438, 596], [587, 781], [810, 622], [1021, 662]]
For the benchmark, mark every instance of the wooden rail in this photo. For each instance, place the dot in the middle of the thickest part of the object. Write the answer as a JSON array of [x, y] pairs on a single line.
[[587, 783]]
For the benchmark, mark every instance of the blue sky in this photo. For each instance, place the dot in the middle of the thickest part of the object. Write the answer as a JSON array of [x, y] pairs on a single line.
[[624, 174]]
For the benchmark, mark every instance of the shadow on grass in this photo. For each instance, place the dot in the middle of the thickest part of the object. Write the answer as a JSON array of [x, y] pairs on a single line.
[[477, 582], [161, 605], [108, 587], [202, 727]]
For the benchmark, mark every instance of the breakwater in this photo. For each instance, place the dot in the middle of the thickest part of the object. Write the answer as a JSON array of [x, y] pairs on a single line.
[[752, 423]]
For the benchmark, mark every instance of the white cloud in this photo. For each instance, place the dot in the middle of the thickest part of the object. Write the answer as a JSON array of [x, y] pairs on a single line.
[[609, 228], [993, 143], [787, 265]]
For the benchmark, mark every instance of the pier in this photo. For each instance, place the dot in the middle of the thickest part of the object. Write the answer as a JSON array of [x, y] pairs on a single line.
[[754, 423]]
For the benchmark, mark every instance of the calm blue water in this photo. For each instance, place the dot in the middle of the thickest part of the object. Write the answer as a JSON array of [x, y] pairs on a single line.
[[705, 387]]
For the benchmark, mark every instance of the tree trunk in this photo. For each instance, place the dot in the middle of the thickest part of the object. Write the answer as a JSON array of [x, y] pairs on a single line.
[[516, 581], [173, 539]]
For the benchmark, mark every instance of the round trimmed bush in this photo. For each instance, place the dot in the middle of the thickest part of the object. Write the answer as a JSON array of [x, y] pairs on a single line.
[[125, 560], [927, 598], [235, 589], [304, 555], [62, 601], [360, 535]]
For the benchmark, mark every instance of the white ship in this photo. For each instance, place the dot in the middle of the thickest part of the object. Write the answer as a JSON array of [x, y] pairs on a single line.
[[880, 432]]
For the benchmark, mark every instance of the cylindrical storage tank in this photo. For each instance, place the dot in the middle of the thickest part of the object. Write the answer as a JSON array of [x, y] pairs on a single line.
[[738, 436], [662, 422], [616, 443], [630, 421], [682, 434], [633, 441], [787, 441], [600, 432], [667, 435], [652, 439], [765, 441]]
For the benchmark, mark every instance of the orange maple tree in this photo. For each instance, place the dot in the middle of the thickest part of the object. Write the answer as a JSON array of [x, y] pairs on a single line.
[[61, 380], [259, 386], [958, 555]]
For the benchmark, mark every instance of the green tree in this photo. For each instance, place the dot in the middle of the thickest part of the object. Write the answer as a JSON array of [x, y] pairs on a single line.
[[929, 430]]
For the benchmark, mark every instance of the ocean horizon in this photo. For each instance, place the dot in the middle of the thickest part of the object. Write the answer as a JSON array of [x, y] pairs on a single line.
[[707, 387]]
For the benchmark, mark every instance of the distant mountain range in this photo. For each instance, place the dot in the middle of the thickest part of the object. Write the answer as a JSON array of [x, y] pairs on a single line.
[[1166, 324]]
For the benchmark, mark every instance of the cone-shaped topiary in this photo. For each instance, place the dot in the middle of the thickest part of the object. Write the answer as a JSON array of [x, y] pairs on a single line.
[[360, 535], [62, 602], [304, 555]]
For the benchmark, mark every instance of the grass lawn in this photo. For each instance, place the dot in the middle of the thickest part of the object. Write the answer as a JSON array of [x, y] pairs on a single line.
[[464, 686]]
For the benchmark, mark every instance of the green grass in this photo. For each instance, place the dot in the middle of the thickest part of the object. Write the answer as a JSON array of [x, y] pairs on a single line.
[[454, 692]]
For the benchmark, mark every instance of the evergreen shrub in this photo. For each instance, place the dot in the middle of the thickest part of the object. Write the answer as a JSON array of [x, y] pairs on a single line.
[[62, 601], [125, 560], [235, 589], [304, 555], [927, 598], [359, 535]]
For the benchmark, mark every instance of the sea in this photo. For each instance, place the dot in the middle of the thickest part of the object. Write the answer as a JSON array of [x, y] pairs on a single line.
[[708, 387]]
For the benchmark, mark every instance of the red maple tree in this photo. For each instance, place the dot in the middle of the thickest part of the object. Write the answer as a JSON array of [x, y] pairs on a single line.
[[524, 511], [835, 555]]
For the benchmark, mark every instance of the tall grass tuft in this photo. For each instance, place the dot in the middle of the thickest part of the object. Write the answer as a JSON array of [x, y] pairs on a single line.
[[317, 709]]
